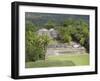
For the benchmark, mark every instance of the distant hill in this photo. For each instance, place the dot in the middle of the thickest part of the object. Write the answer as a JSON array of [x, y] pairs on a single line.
[[40, 19]]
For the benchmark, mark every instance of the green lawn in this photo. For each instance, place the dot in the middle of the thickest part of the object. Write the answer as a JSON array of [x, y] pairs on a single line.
[[62, 60]]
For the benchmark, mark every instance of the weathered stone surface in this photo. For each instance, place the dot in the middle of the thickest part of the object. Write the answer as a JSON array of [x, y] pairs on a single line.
[[52, 33], [59, 49]]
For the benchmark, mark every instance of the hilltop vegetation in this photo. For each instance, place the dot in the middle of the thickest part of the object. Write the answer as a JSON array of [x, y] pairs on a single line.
[[41, 19]]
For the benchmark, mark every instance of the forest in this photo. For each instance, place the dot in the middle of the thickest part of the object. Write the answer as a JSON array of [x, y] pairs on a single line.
[[70, 29]]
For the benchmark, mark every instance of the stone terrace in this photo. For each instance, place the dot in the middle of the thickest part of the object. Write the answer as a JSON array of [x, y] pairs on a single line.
[[60, 49]]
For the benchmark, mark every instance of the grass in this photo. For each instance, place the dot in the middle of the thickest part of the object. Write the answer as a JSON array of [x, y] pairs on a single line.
[[62, 60]]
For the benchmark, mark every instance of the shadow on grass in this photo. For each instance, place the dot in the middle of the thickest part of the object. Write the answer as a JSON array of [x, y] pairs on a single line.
[[49, 63]]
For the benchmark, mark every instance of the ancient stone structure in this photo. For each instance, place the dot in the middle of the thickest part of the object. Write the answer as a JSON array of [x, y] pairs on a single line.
[[60, 49], [52, 33]]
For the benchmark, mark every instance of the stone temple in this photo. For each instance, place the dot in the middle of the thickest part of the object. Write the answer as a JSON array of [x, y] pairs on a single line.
[[52, 33]]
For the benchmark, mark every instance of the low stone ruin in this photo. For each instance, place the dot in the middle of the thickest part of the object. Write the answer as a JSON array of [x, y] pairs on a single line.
[[60, 49]]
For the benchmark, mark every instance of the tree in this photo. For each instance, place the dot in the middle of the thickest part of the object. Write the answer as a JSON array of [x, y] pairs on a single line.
[[67, 38], [50, 24], [35, 45], [43, 43], [65, 35], [76, 30], [81, 33]]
